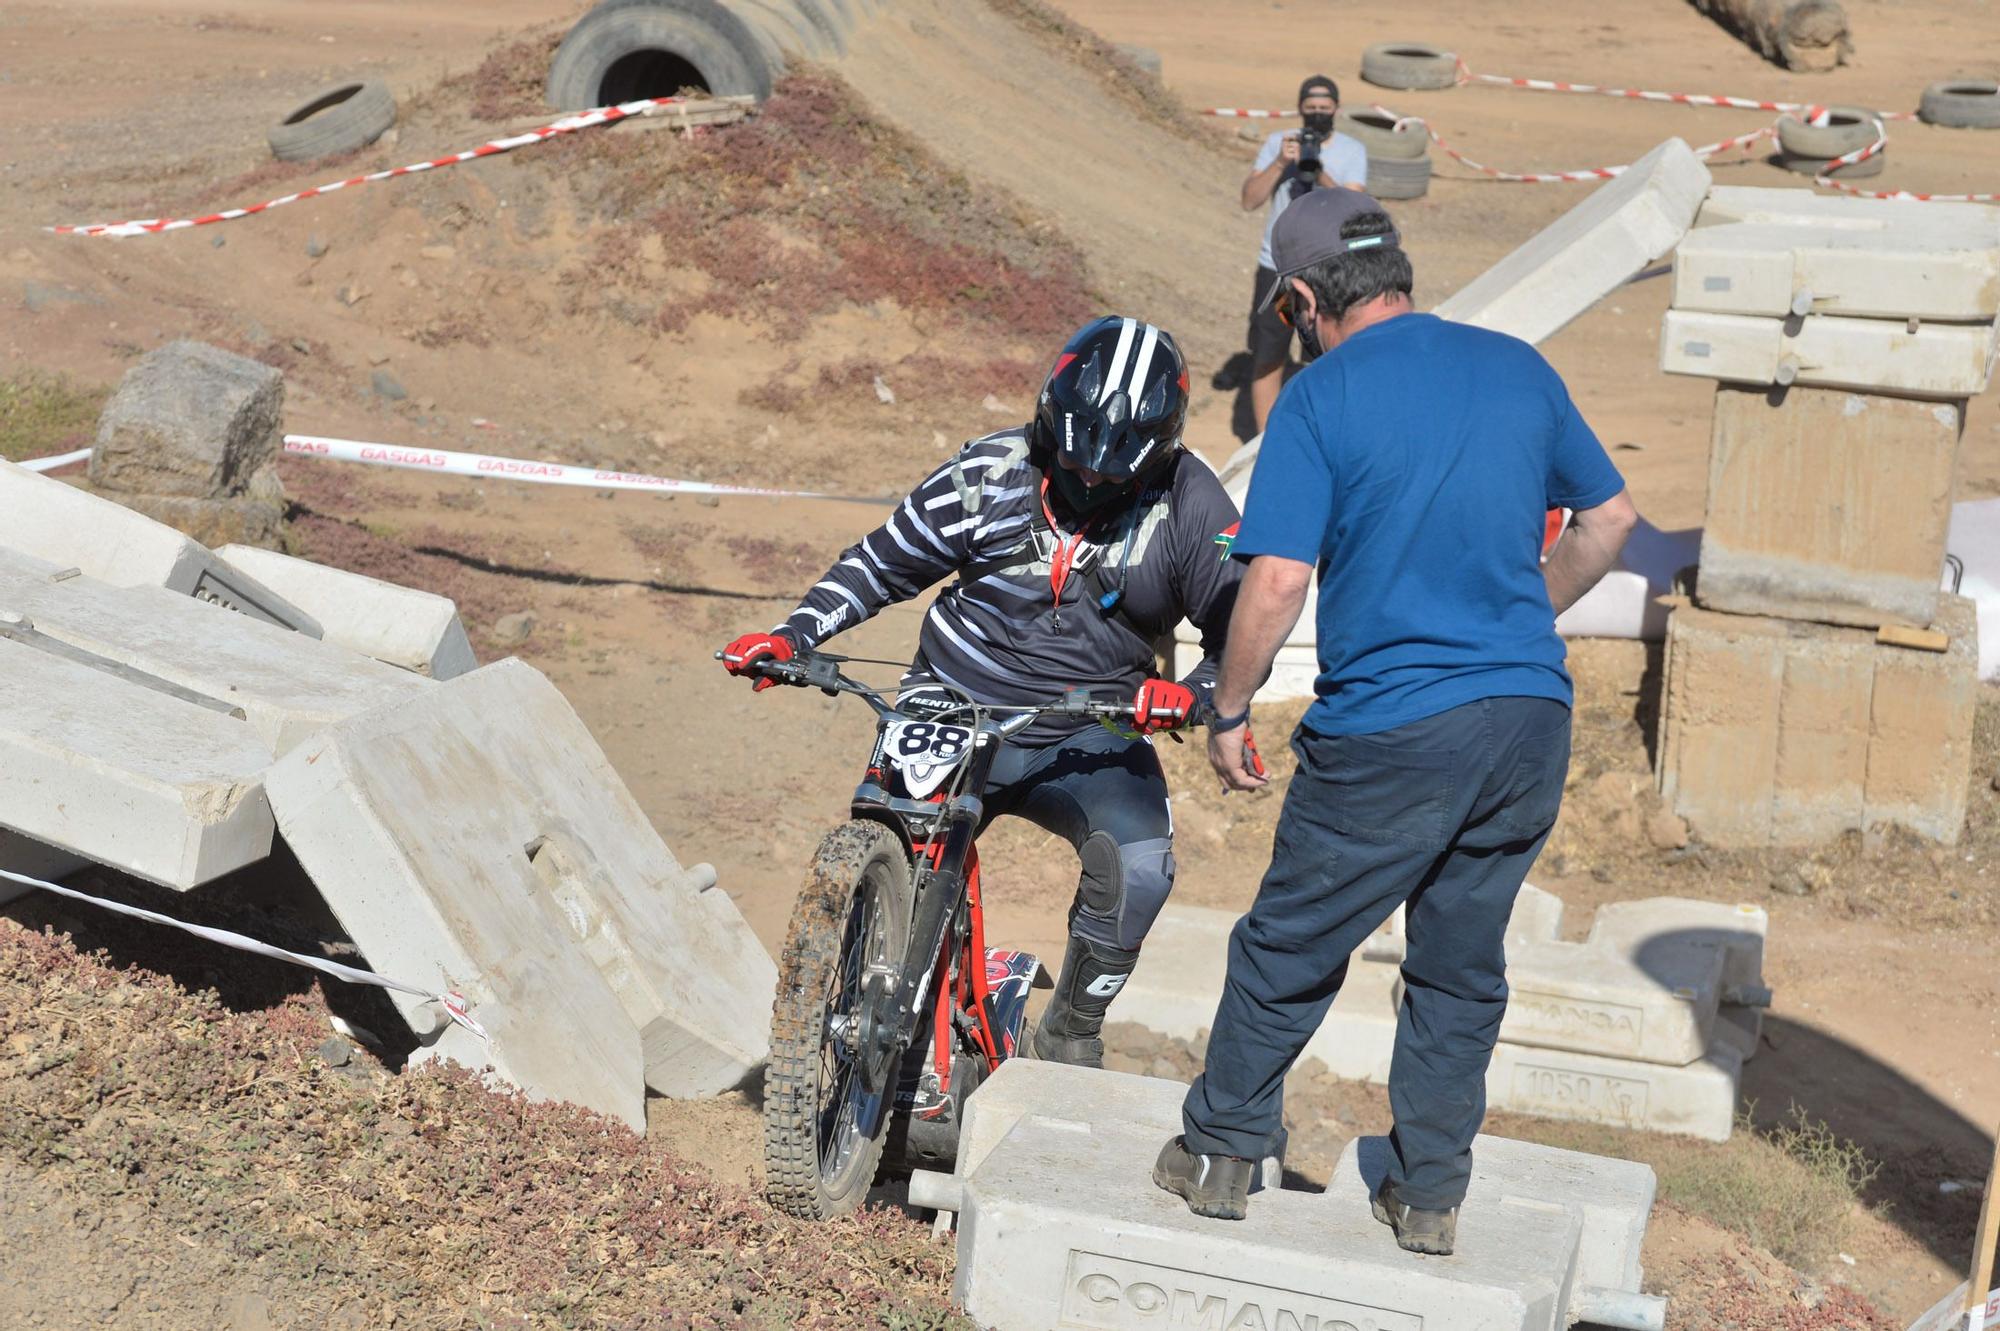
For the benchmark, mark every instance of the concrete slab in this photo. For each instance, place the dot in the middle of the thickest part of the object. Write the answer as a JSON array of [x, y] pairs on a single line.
[[474, 832], [74, 529], [1920, 730], [287, 685], [21, 854], [1060, 1225], [1828, 505], [1640, 928], [1727, 205], [1945, 361], [1587, 252], [127, 776], [1926, 268], [402, 626], [1698, 1100]]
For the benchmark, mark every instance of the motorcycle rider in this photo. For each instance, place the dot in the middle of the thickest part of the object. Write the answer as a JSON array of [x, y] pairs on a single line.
[[1079, 541]]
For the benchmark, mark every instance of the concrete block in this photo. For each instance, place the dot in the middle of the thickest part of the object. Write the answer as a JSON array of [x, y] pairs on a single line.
[[1728, 205], [1587, 252], [191, 420], [1698, 1100], [1920, 730], [1614, 1197], [1061, 1226], [125, 775], [37, 859], [1927, 268], [1638, 929], [1945, 361], [1598, 1000], [288, 686], [73, 529], [473, 833], [1828, 505], [416, 630]]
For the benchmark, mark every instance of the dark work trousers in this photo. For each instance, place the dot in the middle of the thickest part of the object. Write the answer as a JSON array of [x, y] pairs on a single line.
[[1106, 795], [1447, 814]]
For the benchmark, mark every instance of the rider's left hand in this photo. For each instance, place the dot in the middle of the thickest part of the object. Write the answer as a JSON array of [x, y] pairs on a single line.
[[1161, 704]]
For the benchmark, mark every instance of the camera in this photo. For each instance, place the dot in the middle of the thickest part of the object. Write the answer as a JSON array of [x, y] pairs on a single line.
[[1310, 139]]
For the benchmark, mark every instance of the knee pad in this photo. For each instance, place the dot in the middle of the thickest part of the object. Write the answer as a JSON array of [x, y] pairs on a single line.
[[1122, 890]]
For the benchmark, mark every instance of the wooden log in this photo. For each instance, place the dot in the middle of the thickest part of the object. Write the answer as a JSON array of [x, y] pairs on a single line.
[[1806, 35]]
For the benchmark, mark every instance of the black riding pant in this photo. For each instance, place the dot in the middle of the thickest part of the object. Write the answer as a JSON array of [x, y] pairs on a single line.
[[1105, 795]]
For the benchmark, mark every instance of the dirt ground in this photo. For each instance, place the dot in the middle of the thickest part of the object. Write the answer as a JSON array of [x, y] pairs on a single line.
[[587, 302]]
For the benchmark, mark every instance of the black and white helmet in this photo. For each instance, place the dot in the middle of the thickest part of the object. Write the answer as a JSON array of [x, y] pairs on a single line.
[[1116, 401]]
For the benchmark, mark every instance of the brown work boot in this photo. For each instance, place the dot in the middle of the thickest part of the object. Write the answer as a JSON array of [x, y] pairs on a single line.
[[1431, 1232], [1217, 1186]]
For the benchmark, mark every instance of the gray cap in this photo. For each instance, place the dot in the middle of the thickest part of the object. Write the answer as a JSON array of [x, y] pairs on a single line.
[[1308, 231]]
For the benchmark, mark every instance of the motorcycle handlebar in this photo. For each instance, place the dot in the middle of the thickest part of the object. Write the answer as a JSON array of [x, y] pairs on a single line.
[[822, 671]]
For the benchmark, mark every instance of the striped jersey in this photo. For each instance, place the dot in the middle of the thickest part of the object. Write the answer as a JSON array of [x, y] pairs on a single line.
[[996, 631]]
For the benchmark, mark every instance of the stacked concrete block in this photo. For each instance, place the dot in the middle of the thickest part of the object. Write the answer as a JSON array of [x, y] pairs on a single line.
[[188, 439], [1645, 1024], [474, 836], [1845, 336], [71, 528], [1777, 732], [416, 630], [1059, 1224]]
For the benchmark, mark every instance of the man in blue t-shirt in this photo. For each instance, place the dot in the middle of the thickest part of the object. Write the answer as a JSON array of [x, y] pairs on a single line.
[[1411, 464], [1277, 180]]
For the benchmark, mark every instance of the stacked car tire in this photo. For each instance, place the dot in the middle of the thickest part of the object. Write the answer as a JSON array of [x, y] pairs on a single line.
[[624, 50], [1399, 163], [1812, 149]]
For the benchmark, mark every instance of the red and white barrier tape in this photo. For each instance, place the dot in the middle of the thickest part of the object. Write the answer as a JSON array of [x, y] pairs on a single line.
[[1564, 177], [603, 115], [1465, 75], [1242, 114], [447, 462], [451, 1001]]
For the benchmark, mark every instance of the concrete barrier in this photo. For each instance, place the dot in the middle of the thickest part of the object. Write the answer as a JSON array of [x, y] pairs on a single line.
[[126, 775], [1060, 1225], [402, 626], [1931, 267], [1727, 205], [1572, 263], [474, 834], [1597, 1000], [287, 685], [21, 854], [1944, 361], [1698, 1100], [74, 529]]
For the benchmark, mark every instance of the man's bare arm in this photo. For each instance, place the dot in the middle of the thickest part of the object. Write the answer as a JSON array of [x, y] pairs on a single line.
[[1267, 606], [1587, 549], [1260, 185]]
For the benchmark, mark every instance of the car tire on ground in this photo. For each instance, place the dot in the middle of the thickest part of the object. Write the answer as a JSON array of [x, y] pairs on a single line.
[[1816, 166], [625, 50], [1399, 177], [337, 120], [1379, 135], [1414, 65], [1962, 104], [1848, 129]]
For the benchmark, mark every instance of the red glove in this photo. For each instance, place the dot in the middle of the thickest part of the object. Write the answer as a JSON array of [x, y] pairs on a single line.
[[1161, 704], [739, 656]]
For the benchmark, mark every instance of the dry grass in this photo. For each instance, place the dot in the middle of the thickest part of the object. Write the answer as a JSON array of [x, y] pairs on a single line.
[[1119, 74], [42, 414], [452, 1205]]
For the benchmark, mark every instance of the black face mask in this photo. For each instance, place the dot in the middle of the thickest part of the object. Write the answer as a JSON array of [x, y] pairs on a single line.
[[1319, 122]]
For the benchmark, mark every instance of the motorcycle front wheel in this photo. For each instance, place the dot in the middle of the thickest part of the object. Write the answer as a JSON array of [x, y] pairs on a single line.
[[823, 1129]]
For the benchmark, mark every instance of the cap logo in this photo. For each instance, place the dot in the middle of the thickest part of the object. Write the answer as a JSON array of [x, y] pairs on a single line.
[[1364, 242]]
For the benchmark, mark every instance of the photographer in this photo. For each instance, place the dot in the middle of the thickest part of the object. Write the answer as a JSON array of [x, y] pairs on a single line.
[[1290, 163]]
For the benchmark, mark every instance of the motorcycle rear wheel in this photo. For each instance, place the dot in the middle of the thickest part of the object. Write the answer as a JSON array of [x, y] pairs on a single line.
[[823, 1130]]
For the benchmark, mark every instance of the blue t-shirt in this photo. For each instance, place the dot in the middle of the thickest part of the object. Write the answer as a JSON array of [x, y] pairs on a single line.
[[1414, 465]]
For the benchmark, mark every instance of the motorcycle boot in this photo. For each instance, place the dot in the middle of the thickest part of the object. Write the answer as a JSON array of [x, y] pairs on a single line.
[[1072, 1027]]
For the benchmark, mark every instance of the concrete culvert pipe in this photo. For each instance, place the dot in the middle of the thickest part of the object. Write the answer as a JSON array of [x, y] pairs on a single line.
[[624, 50]]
